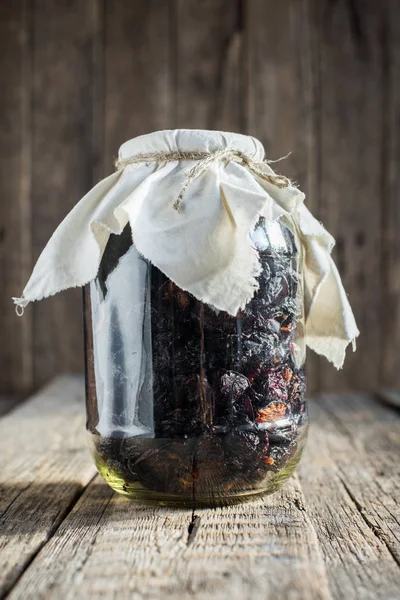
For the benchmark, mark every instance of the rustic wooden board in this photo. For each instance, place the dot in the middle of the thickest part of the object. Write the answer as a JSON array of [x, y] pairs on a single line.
[[62, 160], [350, 144], [98, 170], [350, 478], [390, 314], [44, 465], [372, 474], [333, 535], [138, 71], [281, 87], [209, 65], [15, 210], [110, 546]]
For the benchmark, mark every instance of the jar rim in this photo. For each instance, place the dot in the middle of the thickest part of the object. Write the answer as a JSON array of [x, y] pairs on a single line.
[[192, 140]]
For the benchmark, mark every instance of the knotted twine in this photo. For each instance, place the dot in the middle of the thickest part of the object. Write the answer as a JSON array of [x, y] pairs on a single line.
[[204, 160]]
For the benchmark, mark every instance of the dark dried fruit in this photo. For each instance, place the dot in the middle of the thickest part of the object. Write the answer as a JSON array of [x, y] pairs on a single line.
[[228, 399], [273, 412]]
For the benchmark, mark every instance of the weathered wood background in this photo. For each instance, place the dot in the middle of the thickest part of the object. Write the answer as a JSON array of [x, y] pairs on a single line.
[[318, 77]]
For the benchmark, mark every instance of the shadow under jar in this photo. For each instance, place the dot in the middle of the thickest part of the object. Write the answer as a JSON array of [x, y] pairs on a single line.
[[187, 405]]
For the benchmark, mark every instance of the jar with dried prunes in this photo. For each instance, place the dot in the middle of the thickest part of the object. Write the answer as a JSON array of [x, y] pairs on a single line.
[[205, 278], [188, 405]]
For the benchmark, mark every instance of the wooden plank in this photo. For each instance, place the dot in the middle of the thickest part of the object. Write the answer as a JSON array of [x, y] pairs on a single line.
[[98, 92], [209, 67], [390, 265], [63, 158], [350, 153], [138, 71], [15, 211], [283, 97], [349, 475], [281, 84], [110, 547], [374, 483], [44, 466]]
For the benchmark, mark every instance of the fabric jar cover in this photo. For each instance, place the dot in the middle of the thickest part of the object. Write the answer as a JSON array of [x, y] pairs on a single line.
[[204, 245]]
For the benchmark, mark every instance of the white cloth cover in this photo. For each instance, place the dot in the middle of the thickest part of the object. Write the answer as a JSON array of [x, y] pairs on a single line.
[[205, 247]]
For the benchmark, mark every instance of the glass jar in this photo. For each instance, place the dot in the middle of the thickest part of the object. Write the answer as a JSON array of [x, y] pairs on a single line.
[[187, 405]]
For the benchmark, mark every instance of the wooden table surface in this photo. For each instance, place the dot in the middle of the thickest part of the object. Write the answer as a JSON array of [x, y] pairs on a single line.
[[332, 532]]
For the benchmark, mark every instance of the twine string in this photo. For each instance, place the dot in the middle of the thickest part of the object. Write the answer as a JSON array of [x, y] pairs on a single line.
[[204, 160]]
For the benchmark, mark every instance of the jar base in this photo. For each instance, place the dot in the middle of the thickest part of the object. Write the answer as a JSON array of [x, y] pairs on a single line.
[[141, 495]]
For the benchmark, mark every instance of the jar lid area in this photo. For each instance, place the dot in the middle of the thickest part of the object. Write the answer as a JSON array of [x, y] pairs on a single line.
[[192, 140]]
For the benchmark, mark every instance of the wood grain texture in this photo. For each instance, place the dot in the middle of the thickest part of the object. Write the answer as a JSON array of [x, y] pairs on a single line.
[[16, 361], [111, 547], [99, 165], [350, 146], [62, 148], [44, 465], [372, 475], [332, 533], [281, 86], [138, 67], [209, 68], [390, 207], [350, 478]]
